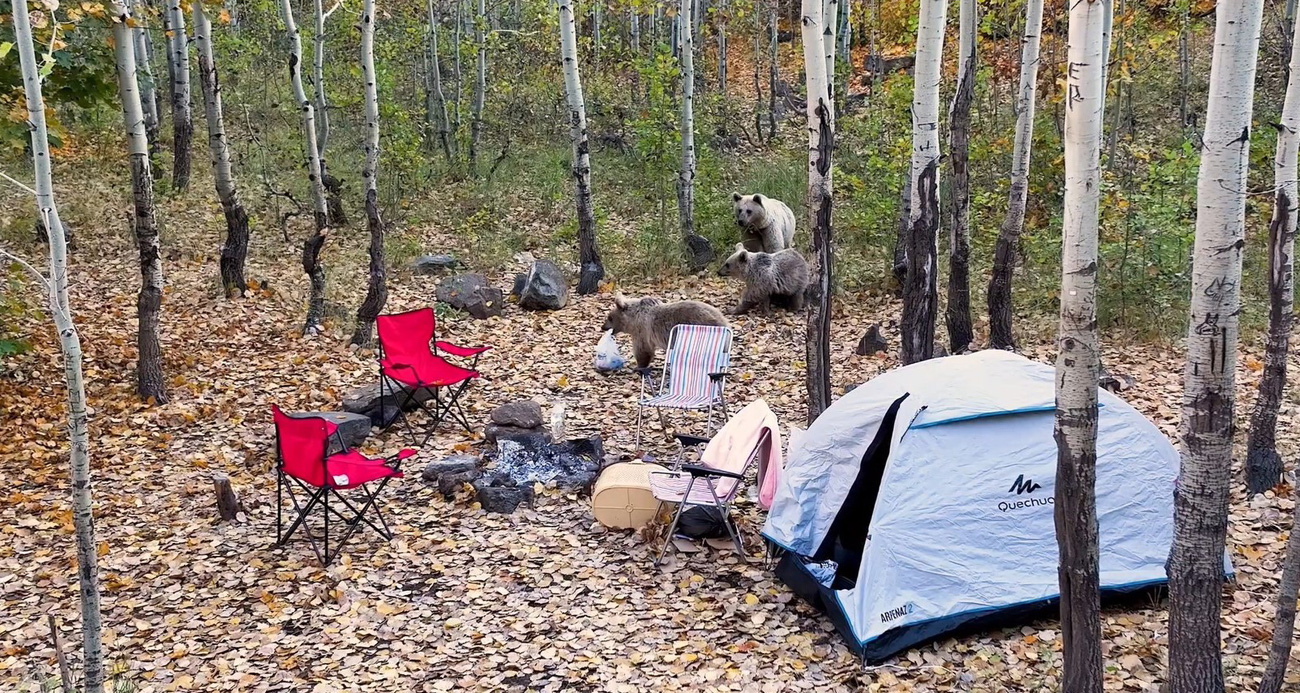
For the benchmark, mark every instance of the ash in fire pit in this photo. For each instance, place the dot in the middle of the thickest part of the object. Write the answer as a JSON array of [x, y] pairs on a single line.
[[572, 464]]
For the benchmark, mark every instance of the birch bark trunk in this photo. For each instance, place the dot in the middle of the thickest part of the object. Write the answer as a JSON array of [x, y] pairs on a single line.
[[182, 119], [957, 316], [480, 86], [1004, 259], [436, 102], [773, 66], [311, 248], [722, 48], [919, 285], [377, 285], [592, 271], [235, 249], [70, 344], [1201, 499], [318, 82], [148, 86], [821, 134], [149, 371], [699, 252], [1263, 463], [1078, 362], [829, 20]]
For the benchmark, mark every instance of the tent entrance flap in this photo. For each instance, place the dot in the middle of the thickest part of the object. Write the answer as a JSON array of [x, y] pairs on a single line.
[[847, 536]]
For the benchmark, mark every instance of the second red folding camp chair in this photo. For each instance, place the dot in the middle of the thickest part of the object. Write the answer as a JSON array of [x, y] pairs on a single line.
[[302, 461], [407, 356]]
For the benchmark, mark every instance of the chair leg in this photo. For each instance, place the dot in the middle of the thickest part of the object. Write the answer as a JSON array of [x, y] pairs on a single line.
[[640, 409], [732, 528], [672, 528], [279, 506]]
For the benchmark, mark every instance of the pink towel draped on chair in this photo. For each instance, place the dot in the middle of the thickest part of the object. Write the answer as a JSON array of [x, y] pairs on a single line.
[[738, 437]]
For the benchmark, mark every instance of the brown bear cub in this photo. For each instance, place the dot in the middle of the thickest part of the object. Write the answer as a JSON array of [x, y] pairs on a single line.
[[770, 279], [651, 321]]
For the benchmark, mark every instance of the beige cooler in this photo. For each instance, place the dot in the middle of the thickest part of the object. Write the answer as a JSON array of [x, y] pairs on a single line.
[[622, 497]]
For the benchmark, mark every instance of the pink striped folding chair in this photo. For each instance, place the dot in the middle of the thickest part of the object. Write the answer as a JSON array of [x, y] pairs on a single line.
[[694, 375], [707, 485]]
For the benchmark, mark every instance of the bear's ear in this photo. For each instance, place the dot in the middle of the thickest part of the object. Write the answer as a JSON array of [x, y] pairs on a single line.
[[735, 197], [758, 199], [740, 247], [620, 301]]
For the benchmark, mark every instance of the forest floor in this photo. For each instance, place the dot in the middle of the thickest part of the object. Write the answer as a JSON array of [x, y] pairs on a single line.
[[543, 599]]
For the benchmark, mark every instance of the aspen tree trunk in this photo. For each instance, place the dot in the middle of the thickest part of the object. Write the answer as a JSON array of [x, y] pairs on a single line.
[[318, 82], [758, 81], [699, 252], [830, 15], [1184, 64], [1284, 617], [821, 134], [480, 86], [919, 286], [1116, 118], [588, 255], [1263, 463], [722, 49], [773, 67], [148, 87], [149, 371], [337, 216], [436, 103], [311, 248], [157, 106], [456, 75], [1078, 363], [377, 286], [1201, 498], [235, 249], [182, 120], [1288, 37], [634, 26], [844, 35], [1004, 259], [957, 315], [595, 34], [70, 344]]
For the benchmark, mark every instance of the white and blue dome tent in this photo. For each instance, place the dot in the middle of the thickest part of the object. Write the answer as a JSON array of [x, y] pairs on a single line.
[[921, 502]]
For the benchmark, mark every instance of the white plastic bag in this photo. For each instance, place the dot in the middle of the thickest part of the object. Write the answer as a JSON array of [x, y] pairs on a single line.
[[607, 356]]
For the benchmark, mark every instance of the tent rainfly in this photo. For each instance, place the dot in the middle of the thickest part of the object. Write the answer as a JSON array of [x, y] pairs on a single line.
[[921, 502]]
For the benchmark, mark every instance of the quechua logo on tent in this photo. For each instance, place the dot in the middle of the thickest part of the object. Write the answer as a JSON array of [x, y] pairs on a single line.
[[1023, 486]]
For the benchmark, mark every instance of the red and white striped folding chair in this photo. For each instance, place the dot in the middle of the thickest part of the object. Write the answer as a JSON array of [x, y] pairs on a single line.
[[708, 485], [694, 375]]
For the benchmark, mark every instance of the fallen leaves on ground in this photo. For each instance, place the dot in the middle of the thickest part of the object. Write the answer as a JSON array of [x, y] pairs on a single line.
[[541, 600]]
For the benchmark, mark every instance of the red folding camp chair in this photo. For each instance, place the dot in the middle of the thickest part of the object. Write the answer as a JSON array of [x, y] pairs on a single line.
[[301, 459], [405, 356]]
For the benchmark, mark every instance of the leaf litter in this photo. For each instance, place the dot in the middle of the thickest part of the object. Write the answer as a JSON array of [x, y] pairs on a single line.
[[461, 600]]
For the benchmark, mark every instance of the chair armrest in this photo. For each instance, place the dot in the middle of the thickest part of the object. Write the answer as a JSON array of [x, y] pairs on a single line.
[[687, 441], [719, 375], [697, 470]]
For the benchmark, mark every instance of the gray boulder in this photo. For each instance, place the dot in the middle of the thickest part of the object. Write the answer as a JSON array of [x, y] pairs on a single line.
[[452, 465], [522, 414], [382, 411], [433, 264], [471, 293], [545, 287], [497, 493], [451, 474], [872, 342], [353, 428], [527, 436]]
